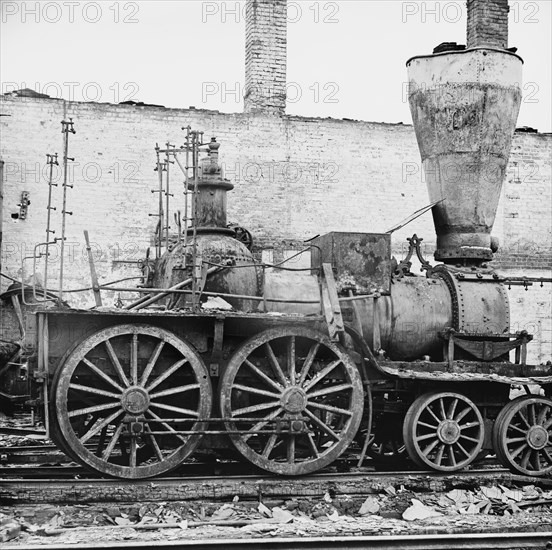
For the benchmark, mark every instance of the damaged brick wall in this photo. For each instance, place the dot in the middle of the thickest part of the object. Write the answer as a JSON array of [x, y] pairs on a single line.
[[294, 178]]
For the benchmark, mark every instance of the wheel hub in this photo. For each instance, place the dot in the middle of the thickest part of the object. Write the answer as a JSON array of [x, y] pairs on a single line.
[[135, 400], [537, 437], [294, 400], [448, 432]]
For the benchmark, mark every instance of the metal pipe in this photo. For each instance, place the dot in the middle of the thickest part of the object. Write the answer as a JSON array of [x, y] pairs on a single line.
[[66, 128], [51, 160], [166, 291], [167, 197], [143, 303]]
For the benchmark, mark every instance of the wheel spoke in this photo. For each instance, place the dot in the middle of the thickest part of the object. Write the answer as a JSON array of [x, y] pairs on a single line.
[[276, 368], [95, 429], [525, 421], [260, 425], [442, 409], [324, 427], [257, 391], [332, 389], [531, 414], [172, 391], [291, 360], [515, 453], [430, 411], [426, 425], [101, 442], [461, 447], [167, 426], [470, 425], [255, 408], [132, 457], [547, 455], [169, 372], [329, 408], [425, 437], [88, 389], [291, 449], [525, 458], [134, 360], [452, 408], [474, 439], [308, 362], [322, 374], [515, 440], [151, 362], [462, 414], [439, 456], [542, 414], [263, 376], [154, 443], [102, 374], [116, 363], [113, 441], [517, 428], [452, 458], [312, 445], [179, 410], [430, 447], [269, 445], [96, 408]]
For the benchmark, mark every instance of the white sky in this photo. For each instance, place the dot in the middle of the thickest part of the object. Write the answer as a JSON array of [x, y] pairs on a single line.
[[346, 59]]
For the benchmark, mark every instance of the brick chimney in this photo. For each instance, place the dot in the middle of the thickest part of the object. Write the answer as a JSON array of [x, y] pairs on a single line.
[[265, 56], [488, 23]]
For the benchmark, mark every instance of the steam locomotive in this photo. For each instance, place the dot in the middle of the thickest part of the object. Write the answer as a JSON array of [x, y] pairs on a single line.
[[290, 369]]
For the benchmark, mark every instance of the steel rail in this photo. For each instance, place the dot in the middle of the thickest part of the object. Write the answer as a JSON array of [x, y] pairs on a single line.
[[453, 541]]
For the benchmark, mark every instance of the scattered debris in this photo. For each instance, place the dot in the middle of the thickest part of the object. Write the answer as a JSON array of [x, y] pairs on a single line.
[[369, 506], [419, 510], [216, 302]]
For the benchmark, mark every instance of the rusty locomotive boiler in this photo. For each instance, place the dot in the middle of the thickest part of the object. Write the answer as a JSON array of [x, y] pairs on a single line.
[[288, 370]]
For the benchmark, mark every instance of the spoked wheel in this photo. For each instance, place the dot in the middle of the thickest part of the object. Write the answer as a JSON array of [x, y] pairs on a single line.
[[522, 435], [295, 398], [129, 399], [443, 431]]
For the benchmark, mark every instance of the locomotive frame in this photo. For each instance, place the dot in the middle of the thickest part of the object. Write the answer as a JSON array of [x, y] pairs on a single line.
[[133, 393]]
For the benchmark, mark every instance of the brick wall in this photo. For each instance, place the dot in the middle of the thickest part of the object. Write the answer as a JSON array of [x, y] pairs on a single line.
[[265, 55], [487, 23], [294, 178]]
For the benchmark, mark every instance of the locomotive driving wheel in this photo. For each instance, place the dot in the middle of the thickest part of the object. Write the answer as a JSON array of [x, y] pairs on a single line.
[[292, 400], [128, 400], [443, 431], [522, 435]]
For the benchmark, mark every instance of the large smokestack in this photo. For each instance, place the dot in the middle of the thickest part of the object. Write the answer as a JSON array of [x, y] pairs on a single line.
[[265, 56], [464, 106]]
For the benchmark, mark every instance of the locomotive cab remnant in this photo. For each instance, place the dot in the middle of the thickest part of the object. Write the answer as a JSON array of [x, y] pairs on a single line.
[[354, 355]]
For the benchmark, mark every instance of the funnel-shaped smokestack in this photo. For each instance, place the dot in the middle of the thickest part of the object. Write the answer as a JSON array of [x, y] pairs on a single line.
[[464, 105]]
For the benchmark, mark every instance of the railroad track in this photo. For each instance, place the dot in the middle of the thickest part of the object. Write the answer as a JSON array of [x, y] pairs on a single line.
[[474, 541], [254, 487]]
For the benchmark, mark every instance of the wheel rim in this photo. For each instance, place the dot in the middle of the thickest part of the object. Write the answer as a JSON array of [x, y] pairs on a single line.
[[522, 435], [301, 391], [444, 431], [122, 394]]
